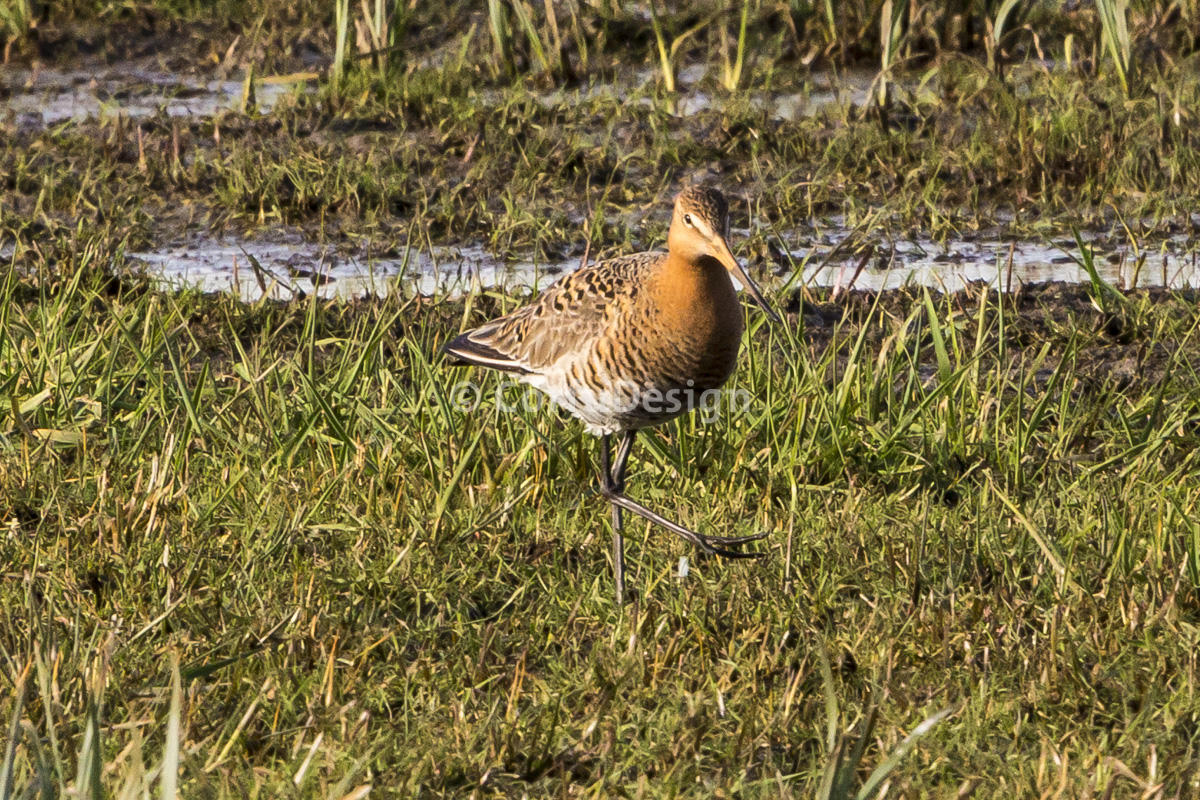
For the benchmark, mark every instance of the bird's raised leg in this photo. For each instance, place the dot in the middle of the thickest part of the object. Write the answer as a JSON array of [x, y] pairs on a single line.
[[612, 486]]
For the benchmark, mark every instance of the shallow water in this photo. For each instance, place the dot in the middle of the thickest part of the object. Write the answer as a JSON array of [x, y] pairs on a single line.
[[283, 270], [1001, 263], [692, 97], [292, 268], [45, 97]]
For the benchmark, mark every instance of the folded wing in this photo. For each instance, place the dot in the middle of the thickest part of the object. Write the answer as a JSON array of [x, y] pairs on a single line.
[[563, 321]]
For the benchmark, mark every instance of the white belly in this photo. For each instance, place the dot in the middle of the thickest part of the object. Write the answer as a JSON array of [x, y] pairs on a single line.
[[617, 405]]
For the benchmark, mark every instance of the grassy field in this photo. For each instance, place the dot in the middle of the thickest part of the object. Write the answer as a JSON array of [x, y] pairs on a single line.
[[256, 550], [978, 504]]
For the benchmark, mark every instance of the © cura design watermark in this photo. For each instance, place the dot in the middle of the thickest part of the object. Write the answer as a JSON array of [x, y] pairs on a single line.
[[621, 398]]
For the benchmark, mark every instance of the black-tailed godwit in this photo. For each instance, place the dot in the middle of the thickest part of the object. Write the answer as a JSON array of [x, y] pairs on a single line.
[[630, 343]]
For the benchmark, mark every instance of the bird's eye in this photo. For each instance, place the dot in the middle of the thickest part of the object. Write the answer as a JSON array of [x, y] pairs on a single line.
[[687, 218]]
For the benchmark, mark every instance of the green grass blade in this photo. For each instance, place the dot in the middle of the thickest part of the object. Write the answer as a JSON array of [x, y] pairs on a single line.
[[939, 342], [902, 750]]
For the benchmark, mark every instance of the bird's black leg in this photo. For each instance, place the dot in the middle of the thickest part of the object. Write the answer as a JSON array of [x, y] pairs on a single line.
[[608, 481], [613, 488], [622, 456]]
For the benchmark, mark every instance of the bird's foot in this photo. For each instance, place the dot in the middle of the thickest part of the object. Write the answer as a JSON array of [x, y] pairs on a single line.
[[735, 540], [715, 546], [718, 545]]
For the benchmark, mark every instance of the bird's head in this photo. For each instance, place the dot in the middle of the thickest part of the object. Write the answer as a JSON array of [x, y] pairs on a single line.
[[700, 230]]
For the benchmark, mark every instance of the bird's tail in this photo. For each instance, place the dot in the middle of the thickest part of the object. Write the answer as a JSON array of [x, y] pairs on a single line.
[[463, 351]]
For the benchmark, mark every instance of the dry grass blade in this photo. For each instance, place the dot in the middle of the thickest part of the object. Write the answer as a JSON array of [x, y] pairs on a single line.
[[13, 735], [170, 762]]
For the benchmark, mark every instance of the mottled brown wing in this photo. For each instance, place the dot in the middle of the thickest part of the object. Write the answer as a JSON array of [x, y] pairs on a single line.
[[567, 317]]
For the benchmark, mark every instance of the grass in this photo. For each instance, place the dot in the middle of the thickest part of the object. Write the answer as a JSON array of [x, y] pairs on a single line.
[[799, 36], [16, 19], [571, 41], [1115, 29], [975, 503]]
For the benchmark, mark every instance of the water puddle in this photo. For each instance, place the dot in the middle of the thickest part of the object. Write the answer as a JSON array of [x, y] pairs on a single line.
[[692, 97], [45, 97], [282, 271], [294, 268], [36, 99], [851, 88], [953, 266]]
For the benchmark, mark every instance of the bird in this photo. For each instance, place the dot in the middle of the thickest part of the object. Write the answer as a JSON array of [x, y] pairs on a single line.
[[630, 343]]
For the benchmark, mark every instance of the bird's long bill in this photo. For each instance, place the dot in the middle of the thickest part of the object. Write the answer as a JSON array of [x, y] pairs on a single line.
[[733, 266]]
